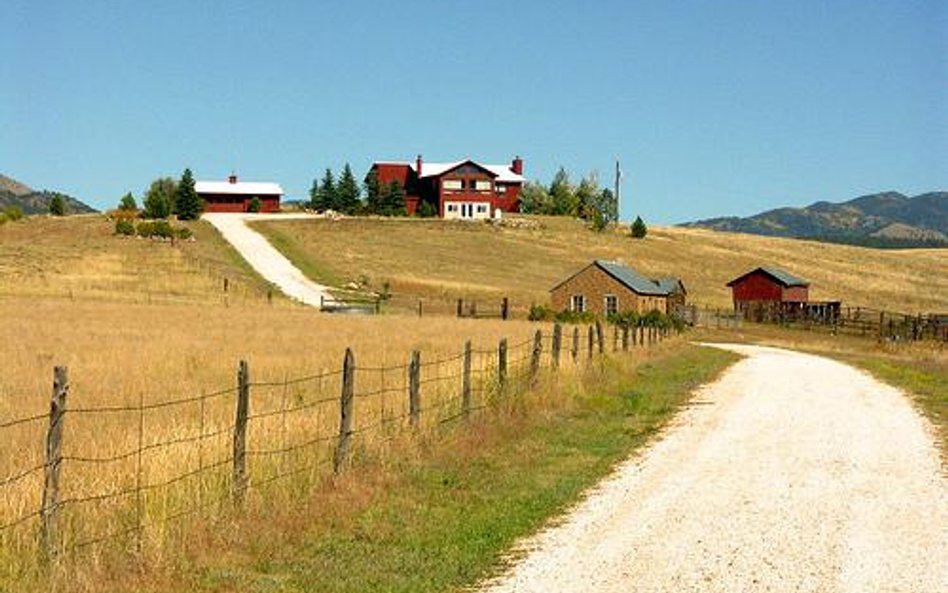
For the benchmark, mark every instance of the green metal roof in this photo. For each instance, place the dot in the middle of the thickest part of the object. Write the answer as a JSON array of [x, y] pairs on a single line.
[[777, 274], [632, 279]]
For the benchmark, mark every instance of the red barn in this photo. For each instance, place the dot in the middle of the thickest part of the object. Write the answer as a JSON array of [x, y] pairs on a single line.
[[235, 196], [462, 189], [768, 288]]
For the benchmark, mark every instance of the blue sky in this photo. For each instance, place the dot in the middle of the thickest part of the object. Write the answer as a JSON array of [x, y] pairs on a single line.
[[714, 108]]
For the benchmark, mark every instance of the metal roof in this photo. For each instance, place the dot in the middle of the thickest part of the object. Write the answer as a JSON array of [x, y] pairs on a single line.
[[669, 284], [240, 188], [632, 279], [777, 274]]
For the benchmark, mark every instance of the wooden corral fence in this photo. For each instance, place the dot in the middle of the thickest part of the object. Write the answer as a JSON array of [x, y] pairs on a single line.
[[67, 487], [836, 319]]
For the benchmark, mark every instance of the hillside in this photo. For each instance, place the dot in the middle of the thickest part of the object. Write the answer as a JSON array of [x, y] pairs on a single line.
[[887, 219], [14, 193], [442, 261]]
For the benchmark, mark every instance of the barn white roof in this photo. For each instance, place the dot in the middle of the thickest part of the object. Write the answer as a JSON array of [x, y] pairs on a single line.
[[241, 188]]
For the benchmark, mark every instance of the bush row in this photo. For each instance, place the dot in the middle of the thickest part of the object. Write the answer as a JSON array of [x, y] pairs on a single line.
[[653, 318], [161, 229]]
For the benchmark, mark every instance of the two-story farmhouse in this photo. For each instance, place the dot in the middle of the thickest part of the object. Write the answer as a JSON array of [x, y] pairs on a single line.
[[460, 190]]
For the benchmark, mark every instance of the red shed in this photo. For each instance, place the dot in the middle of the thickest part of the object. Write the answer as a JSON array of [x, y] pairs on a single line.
[[767, 287], [235, 196]]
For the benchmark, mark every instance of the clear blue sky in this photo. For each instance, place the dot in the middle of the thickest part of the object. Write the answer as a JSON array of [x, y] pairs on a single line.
[[714, 107]]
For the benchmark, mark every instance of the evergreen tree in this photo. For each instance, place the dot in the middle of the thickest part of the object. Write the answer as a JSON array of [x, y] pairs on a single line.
[[128, 202], [159, 199], [57, 206], [373, 193], [562, 195], [393, 200], [325, 198], [188, 204], [535, 199], [638, 229], [347, 192]]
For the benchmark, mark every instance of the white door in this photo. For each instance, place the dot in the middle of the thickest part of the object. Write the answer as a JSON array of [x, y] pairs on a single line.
[[467, 210]]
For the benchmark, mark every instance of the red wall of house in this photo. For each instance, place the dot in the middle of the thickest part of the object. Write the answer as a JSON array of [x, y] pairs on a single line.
[[232, 203]]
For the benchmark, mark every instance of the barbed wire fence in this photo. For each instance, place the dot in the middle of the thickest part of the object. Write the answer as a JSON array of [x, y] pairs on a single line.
[[80, 477]]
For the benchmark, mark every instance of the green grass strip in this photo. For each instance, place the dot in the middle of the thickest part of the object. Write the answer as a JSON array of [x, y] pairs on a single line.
[[445, 521]]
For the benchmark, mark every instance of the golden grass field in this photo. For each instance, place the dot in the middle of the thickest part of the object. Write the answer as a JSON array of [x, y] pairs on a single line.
[[139, 321], [443, 261]]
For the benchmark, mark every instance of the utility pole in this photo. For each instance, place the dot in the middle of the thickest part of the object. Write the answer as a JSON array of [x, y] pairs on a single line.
[[618, 178]]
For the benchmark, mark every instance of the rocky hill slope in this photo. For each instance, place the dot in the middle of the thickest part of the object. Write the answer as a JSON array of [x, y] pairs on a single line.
[[14, 193]]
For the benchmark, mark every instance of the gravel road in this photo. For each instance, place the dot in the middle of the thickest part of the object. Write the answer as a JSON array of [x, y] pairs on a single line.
[[790, 473], [265, 259]]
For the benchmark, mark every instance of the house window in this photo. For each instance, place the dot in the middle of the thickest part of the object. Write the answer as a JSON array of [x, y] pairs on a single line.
[[481, 208], [451, 184], [452, 207], [612, 304], [578, 303], [482, 185]]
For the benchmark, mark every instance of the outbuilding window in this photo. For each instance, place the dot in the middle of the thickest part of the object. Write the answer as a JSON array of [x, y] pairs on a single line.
[[612, 304], [578, 303]]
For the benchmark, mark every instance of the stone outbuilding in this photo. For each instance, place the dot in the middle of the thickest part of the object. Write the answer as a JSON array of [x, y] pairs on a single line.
[[605, 287]]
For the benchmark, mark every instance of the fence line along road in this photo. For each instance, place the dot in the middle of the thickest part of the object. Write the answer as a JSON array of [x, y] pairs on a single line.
[[244, 440]]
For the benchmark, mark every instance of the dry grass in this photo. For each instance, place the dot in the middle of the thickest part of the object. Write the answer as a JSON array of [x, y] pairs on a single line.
[[443, 261], [79, 257]]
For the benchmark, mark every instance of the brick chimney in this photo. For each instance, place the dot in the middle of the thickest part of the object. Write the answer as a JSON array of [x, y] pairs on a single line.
[[517, 165], [232, 178], [418, 165]]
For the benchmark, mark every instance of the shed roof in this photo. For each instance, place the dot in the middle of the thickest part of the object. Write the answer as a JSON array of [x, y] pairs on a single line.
[[240, 188], [502, 173], [670, 284], [777, 274]]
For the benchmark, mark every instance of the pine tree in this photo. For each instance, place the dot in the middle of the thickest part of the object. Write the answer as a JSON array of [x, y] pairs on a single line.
[[325, 192], [373, 193], [393, 200], [562, 195], [57, 206], [638, 229], [128, 202], [347, 192], [187, 203]]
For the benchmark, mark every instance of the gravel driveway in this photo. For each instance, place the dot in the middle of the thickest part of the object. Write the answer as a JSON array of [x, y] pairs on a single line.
[[791, 473], [265, 259]]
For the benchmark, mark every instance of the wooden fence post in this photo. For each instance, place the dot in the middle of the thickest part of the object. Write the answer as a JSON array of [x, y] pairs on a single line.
[[414, 389], [240, 433], [589, 342], [535, 356], [504, 309], [49, 511], [615, 338], [466, 380], [600, 340], [642, 335], [419, 308], [346, 410], [625, 338], [460, 307], [558, 344], [575, 351], [502, 363]]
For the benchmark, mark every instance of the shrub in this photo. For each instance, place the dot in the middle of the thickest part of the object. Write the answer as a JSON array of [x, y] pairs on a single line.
[[125, 227], [13, 213], [638, 230], [541, 313], [254, 205], [624, 319], [575, 317], [57, 206], [427, 210], [3, 218], [183, 233], [145, 229], [163, 229]]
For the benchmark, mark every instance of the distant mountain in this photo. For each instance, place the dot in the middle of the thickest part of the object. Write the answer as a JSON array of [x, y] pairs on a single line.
[[14, 193], [887, 219]]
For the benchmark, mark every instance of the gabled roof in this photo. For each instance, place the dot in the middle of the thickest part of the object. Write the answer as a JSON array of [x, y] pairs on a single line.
[[241, 188], [501, 173], [670, 284], [782, 277], [625, 276]]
